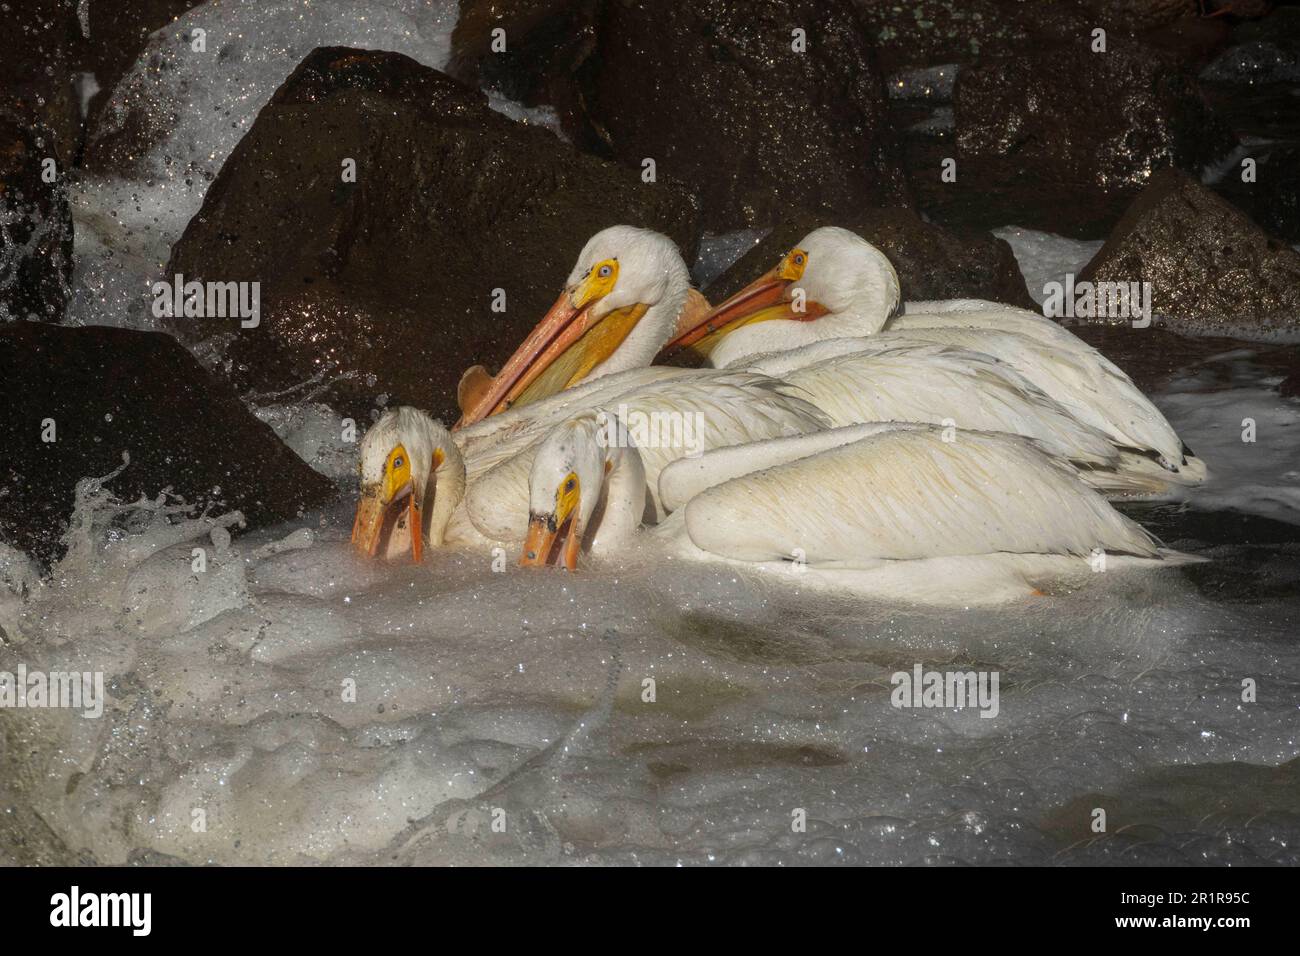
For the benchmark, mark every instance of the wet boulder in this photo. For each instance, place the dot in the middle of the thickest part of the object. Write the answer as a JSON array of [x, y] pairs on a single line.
[[40, 127], [77, 398], [1137, 15], [932, 262], [399, 231], [1063, 138], [1211, 268], [766, 109], [115, 34], [36, 72], [909, 35], [36, 238], [1272, 195], [1264, 50], [522, 49]]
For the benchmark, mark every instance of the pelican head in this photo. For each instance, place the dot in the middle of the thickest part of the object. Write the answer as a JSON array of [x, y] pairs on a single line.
[[831, 273], [618, 308], [405, 458], [564, 488]]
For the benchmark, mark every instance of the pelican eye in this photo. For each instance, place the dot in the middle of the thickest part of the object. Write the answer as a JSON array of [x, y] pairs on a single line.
[[397, 463], [568, 485], [604, 272]]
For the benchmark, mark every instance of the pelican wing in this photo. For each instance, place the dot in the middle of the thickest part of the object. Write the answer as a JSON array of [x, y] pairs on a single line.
[[672, 418], [1081, 381], [687, 477], [1094, 379], [493, 440], [908, 494], [941, 385]]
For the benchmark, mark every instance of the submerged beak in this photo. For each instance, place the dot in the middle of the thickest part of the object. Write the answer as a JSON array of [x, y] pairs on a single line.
[[763, 299], [377, 520], [552, 540]]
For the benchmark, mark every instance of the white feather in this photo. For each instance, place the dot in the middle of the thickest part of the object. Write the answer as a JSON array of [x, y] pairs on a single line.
[[908, 495]]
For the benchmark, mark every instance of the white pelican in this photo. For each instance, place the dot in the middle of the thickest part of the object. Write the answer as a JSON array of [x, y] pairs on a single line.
[[581, 484], [681, 416], [620, 305], [627, 295], [836, 285], [479, 492], [412, 480], [888, 509]]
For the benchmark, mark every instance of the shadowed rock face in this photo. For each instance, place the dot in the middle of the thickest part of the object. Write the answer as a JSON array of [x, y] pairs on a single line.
[[1209, 265], [1273, 199], [39, 123], [1062, 139], [36, 65], [932, 262], [713, 92], [114, 390], [544, 40], [385, 285], [35, 225], [919, 33]]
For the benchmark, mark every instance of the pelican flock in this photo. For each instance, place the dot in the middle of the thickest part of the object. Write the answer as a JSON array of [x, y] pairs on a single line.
[[937, 452]]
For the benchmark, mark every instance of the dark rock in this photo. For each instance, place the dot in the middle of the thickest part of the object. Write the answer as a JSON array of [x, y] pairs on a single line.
[[35, 224], [118, 34], [1211, 268], [1290, 387], [40, 130], [385, 285], [1189, 40], [1252, 83], [113, 390], [1063, 138], [36, 46], [919, 34], [1139, 15], [544, 40], [1273, 199], [1275, 60], [932, 262], [713, 92], [916, 34]]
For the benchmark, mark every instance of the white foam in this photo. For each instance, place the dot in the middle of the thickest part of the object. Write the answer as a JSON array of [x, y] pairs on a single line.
[[1248, 435], [325, 701], [544, 116], [1045, 257], [317, 435]]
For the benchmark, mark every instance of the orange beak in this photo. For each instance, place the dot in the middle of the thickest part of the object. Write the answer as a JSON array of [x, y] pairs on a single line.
[[763, 299], [559, 329], [547, 544], [376, 521]]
